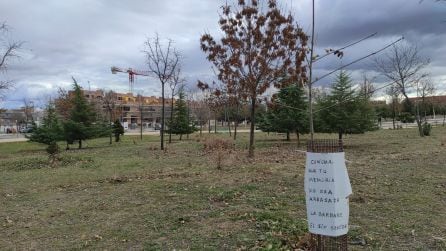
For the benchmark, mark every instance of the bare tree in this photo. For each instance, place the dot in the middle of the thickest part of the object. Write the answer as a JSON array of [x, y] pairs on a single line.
[[8, 51], [109, 103], [162, 61], [28, 109], [173, 83], [200, 109], [260, 47], [425, 88], [394, 94], [214, 99], [403, 66], [367, 87]]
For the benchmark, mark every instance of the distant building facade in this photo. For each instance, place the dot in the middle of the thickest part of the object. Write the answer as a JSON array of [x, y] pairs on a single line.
[[133, 110], [435, 100], [19, 118]]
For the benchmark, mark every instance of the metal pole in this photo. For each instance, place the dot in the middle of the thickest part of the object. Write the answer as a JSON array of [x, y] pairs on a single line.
[[310, 96]]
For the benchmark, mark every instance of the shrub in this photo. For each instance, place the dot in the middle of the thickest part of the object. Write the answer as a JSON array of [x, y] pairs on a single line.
[[221, 147], [406, 117], [53, 151], [427, 129]]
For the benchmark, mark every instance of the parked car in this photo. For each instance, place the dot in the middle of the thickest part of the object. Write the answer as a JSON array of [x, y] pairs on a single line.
[[26, 130]]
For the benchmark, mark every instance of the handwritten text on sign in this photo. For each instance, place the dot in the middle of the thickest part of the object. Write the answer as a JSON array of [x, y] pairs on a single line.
[[327, 187]]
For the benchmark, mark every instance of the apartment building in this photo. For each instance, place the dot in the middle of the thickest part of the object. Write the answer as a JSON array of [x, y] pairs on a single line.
[[135, 110]]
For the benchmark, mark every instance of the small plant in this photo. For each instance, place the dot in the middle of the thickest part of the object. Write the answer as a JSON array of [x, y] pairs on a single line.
[[221, 148], [118, 130], [427, 129], [53, 151]]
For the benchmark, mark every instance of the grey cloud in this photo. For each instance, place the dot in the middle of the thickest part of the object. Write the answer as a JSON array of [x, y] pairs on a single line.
[[83, 38]]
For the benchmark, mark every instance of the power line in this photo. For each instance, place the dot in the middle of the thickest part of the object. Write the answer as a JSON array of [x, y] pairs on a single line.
[[342, 48], [357, 60], [344, 66], [338, 103]]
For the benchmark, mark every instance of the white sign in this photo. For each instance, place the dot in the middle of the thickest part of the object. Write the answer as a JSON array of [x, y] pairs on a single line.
[[327, 188]]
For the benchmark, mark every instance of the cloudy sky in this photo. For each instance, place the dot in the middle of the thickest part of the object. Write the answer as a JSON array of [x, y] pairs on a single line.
[[84, 38]]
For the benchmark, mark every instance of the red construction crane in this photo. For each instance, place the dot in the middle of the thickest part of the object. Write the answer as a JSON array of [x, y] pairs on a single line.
[[131, 72]]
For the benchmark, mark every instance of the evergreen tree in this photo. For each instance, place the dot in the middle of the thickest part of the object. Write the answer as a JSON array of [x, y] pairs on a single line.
[[344, 110], [288, 113], [180, 123], [82, 124], [49, 132], [118, 130], [51, 129], [265, 122]]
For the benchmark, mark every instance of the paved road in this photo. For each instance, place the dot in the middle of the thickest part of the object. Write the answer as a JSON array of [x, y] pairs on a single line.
[[18, 137], [14, 137]]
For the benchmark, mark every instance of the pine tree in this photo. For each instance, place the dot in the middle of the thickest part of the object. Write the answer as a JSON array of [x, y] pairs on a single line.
[[180, 123], [345, 110], [49, 132], [51, 129], [288, 112], [118, 130], [82, 124]]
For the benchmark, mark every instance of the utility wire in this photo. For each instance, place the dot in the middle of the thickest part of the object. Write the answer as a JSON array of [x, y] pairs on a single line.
[[342, 48], [342, 67], [338, 103], [357, 60]]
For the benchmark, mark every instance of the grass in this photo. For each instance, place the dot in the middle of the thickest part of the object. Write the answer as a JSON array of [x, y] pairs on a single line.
[[131, 195]]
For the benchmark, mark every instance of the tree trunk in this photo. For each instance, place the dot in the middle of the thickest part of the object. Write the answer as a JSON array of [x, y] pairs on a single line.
[[201, 128], [298, 138], [80, 144], [140, 125], [394, 114], [407, 103], [418, 118], [340, 135], [287, 136], [229, 128], [237, 110], [235, 130], [209, 126], [162, 117], [111, 130], [420, 127], [181, 136], [215, 124], [252, 128], [226, 121], [171, 118]]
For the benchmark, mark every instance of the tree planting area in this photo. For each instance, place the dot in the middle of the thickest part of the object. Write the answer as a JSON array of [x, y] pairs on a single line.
[[204, 193]]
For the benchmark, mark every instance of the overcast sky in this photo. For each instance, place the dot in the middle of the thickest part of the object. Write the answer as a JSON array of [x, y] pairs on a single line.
[[84, 38]]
